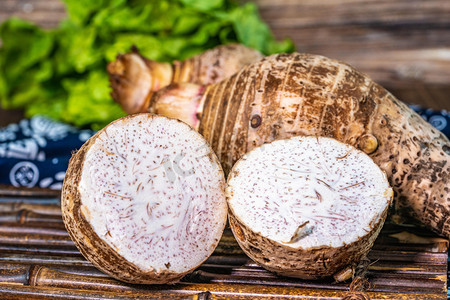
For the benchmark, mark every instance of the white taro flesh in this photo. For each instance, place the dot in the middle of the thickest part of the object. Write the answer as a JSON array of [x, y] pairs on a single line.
[[307, 207], [144, 199]]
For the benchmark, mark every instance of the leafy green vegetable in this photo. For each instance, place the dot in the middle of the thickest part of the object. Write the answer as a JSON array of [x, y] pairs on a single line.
[[62, 72]]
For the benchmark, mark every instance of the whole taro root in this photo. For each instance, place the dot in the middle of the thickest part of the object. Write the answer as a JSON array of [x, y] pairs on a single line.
[[134, 78], [288, 95]]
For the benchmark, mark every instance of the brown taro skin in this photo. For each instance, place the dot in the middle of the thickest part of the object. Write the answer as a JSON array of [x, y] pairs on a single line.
[[97, 251], [214, 65], [313, 263], [134, 78], [90, 244], [287, 95], [307, 207]]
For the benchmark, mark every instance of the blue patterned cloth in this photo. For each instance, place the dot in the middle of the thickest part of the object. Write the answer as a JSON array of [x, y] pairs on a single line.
[[36, 151], [439, 119]]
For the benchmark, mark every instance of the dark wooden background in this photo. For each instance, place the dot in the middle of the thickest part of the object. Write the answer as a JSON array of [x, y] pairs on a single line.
[[402, 44]]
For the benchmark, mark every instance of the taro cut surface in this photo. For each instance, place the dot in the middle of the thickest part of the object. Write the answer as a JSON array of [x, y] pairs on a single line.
[[144, 199], [307, 207]]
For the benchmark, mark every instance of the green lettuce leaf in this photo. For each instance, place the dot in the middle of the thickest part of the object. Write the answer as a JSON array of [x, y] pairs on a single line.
[[61, 72]]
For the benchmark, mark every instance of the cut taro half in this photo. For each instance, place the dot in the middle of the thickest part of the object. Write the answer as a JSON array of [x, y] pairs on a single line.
[[144, 199], [307, 207]]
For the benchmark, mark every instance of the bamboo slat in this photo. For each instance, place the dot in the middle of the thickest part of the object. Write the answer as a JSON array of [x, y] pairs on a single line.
[[38, 260], [29, 217], [30, 194]]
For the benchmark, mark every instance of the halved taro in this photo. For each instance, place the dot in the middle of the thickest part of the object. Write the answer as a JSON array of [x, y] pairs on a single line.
[[144, 199], [307, 207]]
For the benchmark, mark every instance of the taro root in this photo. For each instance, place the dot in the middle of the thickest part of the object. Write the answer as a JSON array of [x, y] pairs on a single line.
[[144, 199], [307, 207], [295, 94], [134, 78]]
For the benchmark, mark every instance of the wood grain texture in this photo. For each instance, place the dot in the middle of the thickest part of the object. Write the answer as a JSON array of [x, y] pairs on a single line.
[[403, 45], [46, 13], [405, 263]]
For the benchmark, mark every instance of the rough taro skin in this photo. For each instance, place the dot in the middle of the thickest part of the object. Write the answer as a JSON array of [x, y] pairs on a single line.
[[165, 206], [307, 207], [135, 78], [287, 95]]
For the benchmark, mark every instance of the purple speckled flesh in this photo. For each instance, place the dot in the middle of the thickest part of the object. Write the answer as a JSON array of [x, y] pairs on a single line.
[[152, 189]]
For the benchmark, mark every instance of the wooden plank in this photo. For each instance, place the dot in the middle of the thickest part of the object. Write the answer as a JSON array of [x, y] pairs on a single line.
[[46, 13], [398, 43]]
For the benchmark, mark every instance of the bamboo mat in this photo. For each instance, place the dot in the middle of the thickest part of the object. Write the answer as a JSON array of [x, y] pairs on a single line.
[[39, 260]]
